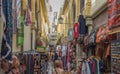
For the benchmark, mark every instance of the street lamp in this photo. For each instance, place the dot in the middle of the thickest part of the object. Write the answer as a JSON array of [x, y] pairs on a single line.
[[60, 20]]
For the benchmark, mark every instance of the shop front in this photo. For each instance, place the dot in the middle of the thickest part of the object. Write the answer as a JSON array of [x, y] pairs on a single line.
[[97, 44], [102, 49]]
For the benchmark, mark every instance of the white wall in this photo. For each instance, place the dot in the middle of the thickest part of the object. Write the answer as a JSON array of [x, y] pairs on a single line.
[[97, 4]]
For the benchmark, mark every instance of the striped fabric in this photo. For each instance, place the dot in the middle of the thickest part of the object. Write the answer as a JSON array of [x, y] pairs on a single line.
[[6, 51], [113, 12]]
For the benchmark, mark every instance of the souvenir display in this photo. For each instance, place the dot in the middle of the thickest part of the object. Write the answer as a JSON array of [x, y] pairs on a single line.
[[36, 63], [115, 57]]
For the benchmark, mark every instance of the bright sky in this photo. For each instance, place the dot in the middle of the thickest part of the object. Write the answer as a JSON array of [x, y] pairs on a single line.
[[56, 5]]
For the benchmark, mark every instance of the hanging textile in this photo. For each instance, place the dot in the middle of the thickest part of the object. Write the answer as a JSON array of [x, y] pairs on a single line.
[[90, 66], [6, 52], [18, 6], [113, 12], [98, 35], [86, 40], [82, 27], [14, 15], [20, 39], [92, 39], [36, 63], [68, 56], [76, 30], [108, 51], [28, 19], [70, 34], [103, 35]]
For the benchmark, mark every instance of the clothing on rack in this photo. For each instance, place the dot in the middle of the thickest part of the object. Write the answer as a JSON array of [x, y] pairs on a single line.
[[90, 66]]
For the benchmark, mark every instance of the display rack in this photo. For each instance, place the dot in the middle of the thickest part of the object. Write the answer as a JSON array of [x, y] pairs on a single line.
[[115, 57]]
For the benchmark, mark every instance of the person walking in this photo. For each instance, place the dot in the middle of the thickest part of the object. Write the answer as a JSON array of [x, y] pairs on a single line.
[[58, 68]]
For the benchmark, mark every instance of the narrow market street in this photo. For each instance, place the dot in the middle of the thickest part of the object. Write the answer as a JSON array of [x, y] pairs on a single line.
[[59, 36]]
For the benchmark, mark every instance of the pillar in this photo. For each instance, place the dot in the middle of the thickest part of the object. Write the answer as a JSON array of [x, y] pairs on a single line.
[[89, 23]]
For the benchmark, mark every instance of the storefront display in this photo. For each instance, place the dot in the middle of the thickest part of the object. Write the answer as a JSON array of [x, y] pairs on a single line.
[[36, 63], [115, 57], [90, 66]]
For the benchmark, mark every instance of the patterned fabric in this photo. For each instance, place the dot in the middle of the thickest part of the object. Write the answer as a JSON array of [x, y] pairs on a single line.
[[92, 39], [113, 12], [68, 57], [6, 51]]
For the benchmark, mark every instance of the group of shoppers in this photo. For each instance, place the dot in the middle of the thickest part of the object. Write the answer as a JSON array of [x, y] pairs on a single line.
[[58, 69]]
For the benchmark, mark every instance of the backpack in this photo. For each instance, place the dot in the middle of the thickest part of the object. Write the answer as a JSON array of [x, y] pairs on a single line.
[[102, 66]]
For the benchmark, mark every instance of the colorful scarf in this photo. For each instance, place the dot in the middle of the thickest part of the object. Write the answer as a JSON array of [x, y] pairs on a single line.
[[113, 12], [6, 51]]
